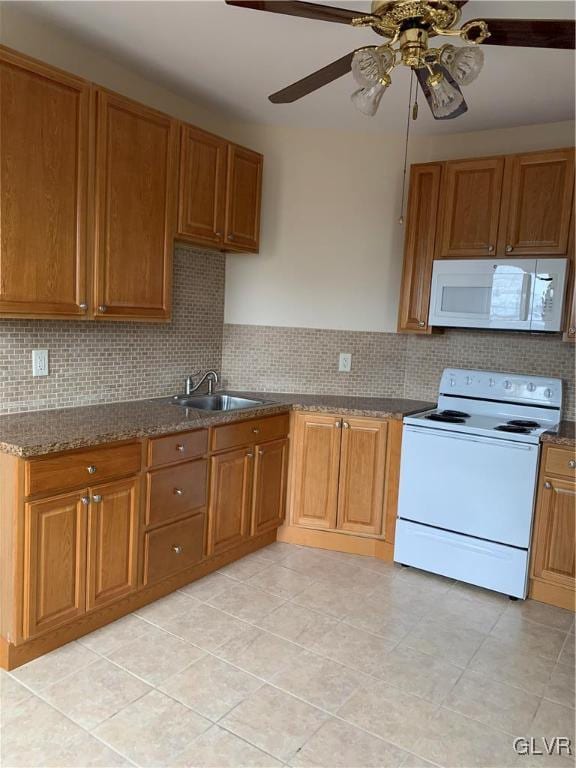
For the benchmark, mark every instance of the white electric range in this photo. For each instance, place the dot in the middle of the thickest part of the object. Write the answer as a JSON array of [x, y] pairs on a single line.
[[468, 477]]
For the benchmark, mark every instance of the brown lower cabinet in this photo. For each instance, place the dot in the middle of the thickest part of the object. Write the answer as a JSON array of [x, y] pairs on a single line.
[[553, 569], [339, 467], [89, 535]]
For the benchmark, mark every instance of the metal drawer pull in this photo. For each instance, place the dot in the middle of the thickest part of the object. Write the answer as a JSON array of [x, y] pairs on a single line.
[[256, 430], [421, 324], [102, 308], [177, 549], [180, 447], [97, 498], [338, 424], [178, 491], [572, 463], [346, 425], [509, 249], [85, 500], [91, 469], [249, 455], [490, 249], [83, 306], [547, 485]]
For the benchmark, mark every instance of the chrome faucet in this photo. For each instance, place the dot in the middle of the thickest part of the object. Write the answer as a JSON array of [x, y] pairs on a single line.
[[210, 376]]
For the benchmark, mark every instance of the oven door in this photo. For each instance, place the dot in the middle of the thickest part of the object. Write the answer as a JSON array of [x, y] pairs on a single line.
[[482, 293], [478, 486]]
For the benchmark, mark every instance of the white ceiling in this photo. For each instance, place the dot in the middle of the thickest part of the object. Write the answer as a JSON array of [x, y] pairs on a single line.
[[235, 57]]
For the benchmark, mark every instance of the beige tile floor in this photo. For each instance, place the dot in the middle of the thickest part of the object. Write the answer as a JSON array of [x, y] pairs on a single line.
[[301, 657]]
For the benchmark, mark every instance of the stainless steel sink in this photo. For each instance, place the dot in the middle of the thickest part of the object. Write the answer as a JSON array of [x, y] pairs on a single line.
[[215, 402]]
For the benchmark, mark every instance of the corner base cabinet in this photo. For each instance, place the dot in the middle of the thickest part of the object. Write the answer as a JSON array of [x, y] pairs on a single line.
[[343, 472]]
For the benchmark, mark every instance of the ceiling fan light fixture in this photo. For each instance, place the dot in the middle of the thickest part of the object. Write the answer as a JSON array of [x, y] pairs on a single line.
[[367, 100], [464, 64], [371, 65], [445, 98]]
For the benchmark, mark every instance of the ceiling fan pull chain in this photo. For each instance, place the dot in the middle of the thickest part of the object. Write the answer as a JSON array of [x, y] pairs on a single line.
[[401, 219]]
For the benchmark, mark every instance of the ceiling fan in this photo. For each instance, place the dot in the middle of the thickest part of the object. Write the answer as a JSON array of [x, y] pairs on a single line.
[[408, 26]]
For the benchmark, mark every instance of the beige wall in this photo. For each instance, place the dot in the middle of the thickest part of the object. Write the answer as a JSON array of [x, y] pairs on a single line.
[[331, 250]]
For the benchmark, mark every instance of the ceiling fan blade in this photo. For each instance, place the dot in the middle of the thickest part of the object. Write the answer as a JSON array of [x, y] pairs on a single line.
[[305, 10], [422, 75], [531, 33], [314, 81]]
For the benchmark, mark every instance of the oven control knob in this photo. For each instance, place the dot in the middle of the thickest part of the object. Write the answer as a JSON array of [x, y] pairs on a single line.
[[469, 380], [491, 382], [452, 381], [548, 393], [531, 387], [507, 384]]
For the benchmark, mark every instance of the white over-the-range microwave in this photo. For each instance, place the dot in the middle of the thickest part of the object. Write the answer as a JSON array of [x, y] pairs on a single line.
[[505, 294]]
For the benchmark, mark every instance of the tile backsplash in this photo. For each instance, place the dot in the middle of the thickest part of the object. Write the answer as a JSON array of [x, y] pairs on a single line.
[[305, 360], [92, 362]]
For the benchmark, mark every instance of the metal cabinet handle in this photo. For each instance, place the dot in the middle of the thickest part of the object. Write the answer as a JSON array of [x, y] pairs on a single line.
[[547, 485], [97, 498], [338, 424], [346, 425], [230, 237], [509, 249], [83, 306], [85, 500], [102, 308], [572, 331], [91, 469], [218, 234], [572, 463], [180, 447], [490, 249], [256, 430], [177, 549], [178, 491], [249, 455], [421, 324]]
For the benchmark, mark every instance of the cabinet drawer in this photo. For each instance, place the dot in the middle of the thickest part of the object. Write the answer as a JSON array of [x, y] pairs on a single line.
[[173, 448], [173, 548], [560, 461], [174, 491], [54, 474], [247, 432]]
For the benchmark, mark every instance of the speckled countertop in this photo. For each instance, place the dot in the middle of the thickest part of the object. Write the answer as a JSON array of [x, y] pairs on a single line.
[[566, 435], [39, 432]]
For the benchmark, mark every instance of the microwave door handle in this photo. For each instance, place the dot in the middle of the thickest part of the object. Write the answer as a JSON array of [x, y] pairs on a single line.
[[527, 298]]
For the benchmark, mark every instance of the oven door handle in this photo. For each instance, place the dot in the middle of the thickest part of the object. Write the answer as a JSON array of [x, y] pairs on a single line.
[[504, 443]]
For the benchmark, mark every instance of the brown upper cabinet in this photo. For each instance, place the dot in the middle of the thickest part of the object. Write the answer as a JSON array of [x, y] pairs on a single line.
[[220, 192], [537, 204], [136, 152], [419, 247], [470, 207], [202, 198], [91, 198], [45, 119], [244, 191], [505, 207]]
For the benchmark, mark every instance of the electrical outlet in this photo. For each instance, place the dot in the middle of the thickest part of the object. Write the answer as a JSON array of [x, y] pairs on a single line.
[[345, 362], [39, 362]]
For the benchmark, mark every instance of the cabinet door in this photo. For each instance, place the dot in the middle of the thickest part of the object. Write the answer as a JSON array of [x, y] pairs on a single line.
[[316, 463], [269, 490], [244, 192], [362, 470], [136, 179], [113, 541], [537, 204], [202, 197], [570, 333], [44, 161], [554, 547], [55, 562], [230, 496], [470, 206], [419, 247]]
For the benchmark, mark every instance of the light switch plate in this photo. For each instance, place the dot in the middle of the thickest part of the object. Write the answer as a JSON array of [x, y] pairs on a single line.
[[345, 362], [39, 362]]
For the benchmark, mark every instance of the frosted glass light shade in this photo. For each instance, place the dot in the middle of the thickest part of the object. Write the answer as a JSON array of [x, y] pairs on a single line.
[[367, 100], [445, 98], [371, 65], [464, 64]]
